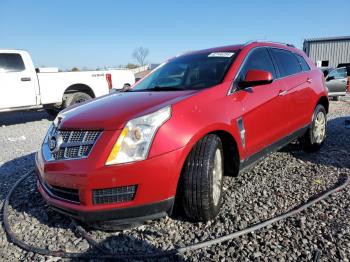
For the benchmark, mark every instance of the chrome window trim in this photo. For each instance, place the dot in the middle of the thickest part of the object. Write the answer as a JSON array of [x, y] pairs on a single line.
[[234, 89]]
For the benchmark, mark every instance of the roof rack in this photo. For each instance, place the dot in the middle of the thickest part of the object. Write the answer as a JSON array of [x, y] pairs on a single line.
[[264, 41]]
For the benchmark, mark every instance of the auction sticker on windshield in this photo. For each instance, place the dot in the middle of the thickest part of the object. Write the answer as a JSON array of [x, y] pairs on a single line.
[[221, 54]]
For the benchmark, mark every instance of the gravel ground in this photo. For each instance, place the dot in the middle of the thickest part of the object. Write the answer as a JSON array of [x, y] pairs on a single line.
[[279, 183]]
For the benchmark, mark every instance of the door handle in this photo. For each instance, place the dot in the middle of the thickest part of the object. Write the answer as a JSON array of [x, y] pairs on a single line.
[[283, 92], [24, 79], [309, 80]]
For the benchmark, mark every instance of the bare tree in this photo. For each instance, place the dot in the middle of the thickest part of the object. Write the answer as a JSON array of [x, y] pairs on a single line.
[[140, 54]]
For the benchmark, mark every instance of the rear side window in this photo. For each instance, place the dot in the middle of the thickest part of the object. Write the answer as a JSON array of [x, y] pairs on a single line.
[[11, 63], [304, 65], [258, 59], [287, 63]]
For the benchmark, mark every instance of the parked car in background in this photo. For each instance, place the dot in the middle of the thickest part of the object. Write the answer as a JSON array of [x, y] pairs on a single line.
[[179, 130], [326, 70], [337, 83], [23, 87]]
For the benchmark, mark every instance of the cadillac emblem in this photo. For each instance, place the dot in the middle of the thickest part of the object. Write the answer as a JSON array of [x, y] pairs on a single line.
[[55, 141]]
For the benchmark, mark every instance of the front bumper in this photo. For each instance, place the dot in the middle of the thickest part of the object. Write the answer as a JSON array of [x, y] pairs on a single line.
[[127, 215], [156, 179]]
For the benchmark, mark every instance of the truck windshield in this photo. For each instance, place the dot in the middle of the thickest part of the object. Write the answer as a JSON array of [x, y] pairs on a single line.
[[188, 72]]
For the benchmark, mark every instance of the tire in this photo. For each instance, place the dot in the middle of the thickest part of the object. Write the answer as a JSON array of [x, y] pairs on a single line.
[[202, 179], [75, 98], [126, 87], [315, 136], [336, 98], [52, 112]]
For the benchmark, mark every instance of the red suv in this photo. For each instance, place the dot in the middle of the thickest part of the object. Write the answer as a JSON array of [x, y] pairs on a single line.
[[195, 118]]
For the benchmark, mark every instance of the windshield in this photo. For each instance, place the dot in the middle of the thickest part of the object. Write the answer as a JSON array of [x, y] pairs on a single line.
[[188, 72]]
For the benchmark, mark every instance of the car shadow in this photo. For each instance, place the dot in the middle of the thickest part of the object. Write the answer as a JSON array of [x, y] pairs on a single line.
[[31, 209], [22, 117], [335, 150], [115, 248]]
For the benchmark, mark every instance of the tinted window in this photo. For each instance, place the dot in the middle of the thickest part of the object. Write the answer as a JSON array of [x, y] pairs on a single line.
[[258, 59], [287, 63], [304, 65], [11, 63], [193, 71], [338, 73]]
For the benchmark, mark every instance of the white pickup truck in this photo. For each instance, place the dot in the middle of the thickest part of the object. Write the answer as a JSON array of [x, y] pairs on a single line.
[[23, 87]]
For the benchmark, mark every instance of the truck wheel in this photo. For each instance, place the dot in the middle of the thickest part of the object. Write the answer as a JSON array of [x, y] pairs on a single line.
[[315, 136], [75, 98], [52, 112], [336, 98], [202, 179]]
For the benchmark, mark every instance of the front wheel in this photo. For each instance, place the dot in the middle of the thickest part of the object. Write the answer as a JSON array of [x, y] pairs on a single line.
[[315, 136], [202, 179]]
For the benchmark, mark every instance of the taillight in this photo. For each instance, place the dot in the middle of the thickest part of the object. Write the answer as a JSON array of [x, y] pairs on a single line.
[[109, 81]]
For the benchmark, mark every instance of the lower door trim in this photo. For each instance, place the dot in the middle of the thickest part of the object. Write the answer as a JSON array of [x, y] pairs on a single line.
[[257, 157]]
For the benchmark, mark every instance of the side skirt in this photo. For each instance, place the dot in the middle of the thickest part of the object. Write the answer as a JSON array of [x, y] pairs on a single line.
[[254, 159]]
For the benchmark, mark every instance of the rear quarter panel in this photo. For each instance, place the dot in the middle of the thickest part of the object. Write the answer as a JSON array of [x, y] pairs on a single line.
[[53, 85], [122, 77]]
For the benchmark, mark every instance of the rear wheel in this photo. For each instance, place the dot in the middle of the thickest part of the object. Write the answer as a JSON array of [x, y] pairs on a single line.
[[336, 98], [75, 98], [314, 138], [202, 179], [52, 111]]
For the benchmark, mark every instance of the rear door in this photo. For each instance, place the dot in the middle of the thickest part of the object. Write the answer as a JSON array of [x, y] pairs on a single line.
[[262, 109], [336, 81], [17, 88], [298, 88]]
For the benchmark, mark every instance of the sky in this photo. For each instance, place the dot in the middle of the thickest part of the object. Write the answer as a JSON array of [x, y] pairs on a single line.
[[93, 34]]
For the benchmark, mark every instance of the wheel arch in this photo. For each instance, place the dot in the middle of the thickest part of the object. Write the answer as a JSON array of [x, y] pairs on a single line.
[[231, 149], [324, 102], [80, 88]]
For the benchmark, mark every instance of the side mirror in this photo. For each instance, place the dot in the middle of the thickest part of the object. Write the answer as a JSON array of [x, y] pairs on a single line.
[[256, 78]]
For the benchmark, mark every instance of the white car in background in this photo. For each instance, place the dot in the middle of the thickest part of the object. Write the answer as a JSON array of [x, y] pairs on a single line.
[[23, 87]]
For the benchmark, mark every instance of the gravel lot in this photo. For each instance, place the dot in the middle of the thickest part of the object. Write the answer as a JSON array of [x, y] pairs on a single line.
[[279, 183]]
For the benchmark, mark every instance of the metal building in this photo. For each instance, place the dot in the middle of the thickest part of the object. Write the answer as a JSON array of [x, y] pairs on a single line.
[[328, 51]]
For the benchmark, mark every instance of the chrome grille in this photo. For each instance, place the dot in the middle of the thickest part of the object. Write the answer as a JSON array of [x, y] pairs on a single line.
[[75, 144]]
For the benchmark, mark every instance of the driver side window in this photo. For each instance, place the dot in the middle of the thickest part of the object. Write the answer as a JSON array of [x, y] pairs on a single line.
[[258, 59]]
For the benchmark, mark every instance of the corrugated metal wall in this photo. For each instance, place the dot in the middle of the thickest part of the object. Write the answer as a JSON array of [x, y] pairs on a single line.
[[335, 52]]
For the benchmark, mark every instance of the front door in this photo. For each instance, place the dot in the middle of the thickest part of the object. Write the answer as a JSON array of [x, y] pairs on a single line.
[[263, 109], [16, 85], [336, 81]]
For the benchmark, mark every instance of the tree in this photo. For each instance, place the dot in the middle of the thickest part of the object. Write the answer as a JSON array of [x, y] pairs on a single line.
[[131, 66], [140, 55], [75, 69]]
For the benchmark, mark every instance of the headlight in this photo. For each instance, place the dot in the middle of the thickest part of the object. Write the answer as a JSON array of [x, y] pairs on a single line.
[[136, 138]]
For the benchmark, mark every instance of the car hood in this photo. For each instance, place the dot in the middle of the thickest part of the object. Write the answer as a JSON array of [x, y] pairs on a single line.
[[112, 111]]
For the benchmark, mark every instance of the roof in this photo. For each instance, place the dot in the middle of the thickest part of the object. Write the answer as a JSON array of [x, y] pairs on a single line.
[[321, 39], [11, 50], [230, 48]]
